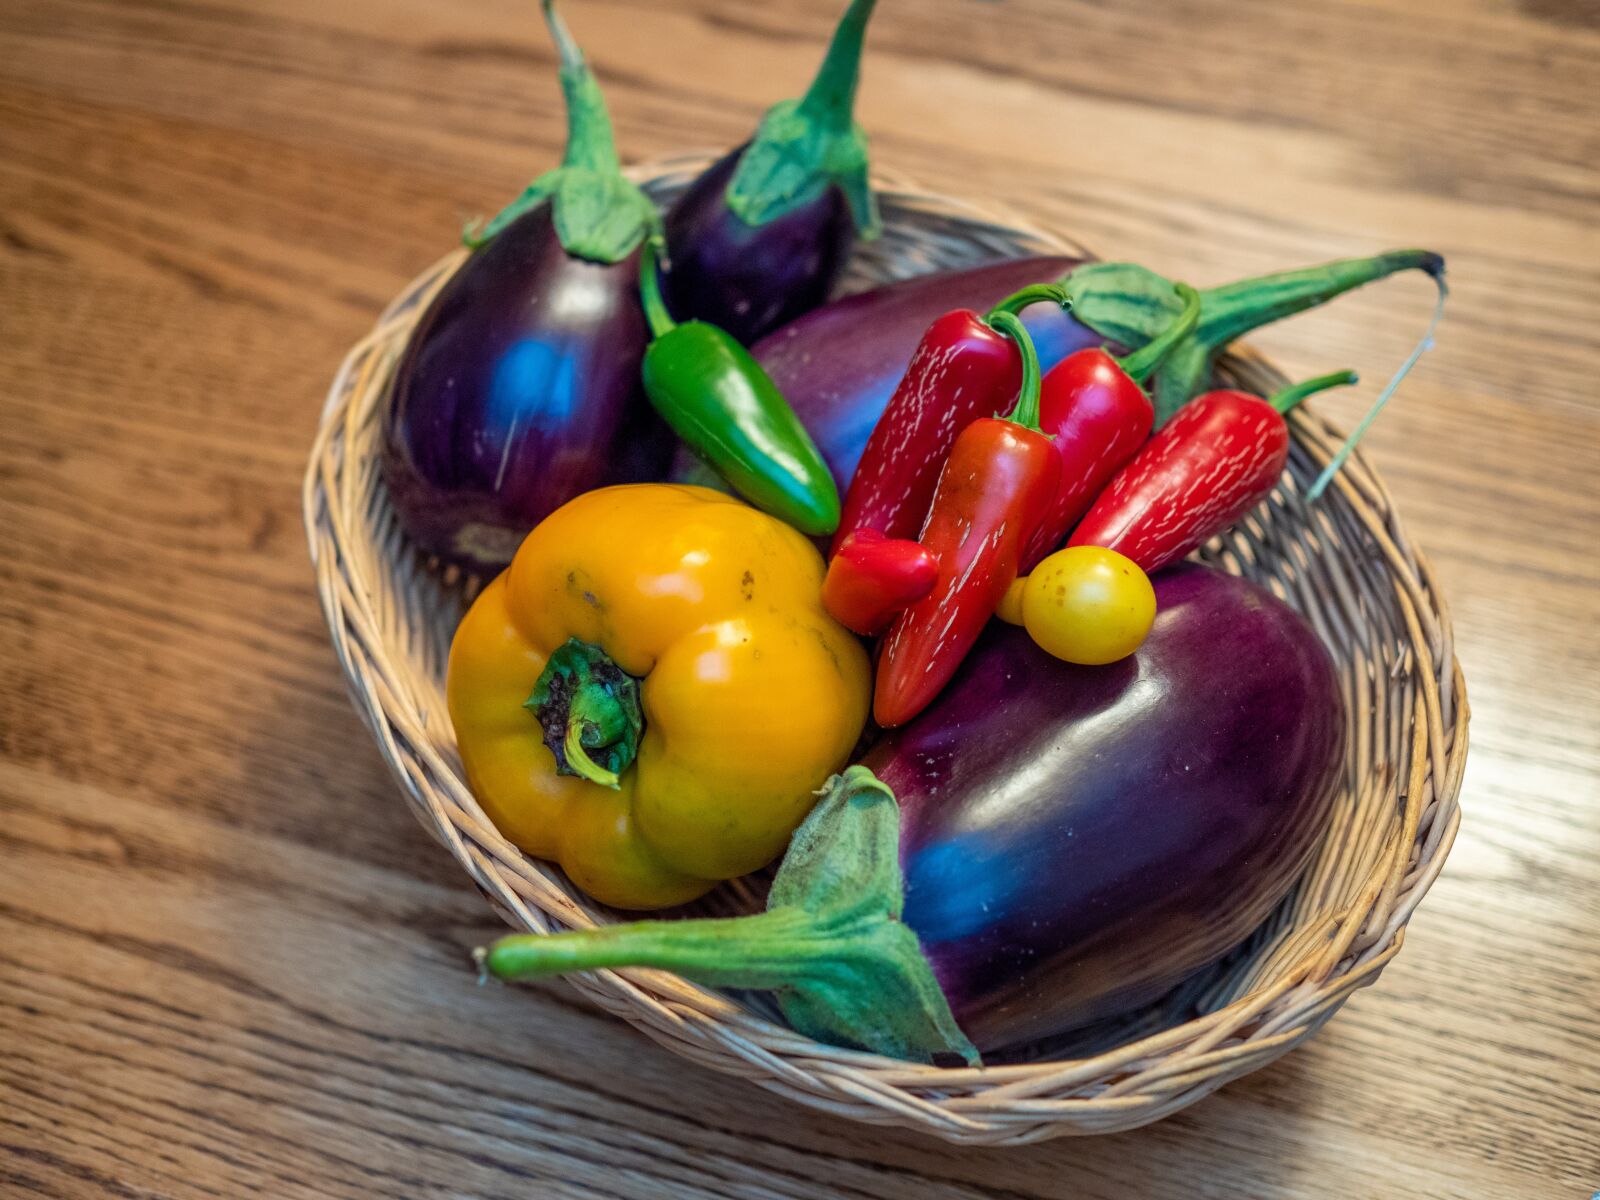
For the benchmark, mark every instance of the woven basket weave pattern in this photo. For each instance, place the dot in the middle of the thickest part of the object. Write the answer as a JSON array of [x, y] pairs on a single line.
[[1345, 563]]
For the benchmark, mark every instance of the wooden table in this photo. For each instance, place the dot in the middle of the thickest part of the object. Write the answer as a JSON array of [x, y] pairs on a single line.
[[231, 963]]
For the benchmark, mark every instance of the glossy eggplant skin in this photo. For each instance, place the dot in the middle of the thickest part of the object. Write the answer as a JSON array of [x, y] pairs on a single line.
[[520, 389], [1077, 840], [750, 279], [839, 364]]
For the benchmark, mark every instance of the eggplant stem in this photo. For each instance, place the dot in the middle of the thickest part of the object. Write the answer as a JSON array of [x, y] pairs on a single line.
[[832, 947], [1422, 347], [1139, 365]]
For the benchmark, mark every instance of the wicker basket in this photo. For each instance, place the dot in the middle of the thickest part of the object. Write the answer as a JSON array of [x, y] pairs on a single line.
[[1345, 563]]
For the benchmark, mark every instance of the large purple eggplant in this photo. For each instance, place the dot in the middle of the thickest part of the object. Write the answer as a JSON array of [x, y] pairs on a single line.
[[838, 365], [1069, 843], [762, 235], [520, 387]]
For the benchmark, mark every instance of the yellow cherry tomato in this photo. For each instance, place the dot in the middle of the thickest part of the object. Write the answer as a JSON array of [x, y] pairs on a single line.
[[1088, 605]]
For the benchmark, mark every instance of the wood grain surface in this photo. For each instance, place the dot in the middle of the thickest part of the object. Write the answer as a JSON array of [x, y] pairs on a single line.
[[232, 965]]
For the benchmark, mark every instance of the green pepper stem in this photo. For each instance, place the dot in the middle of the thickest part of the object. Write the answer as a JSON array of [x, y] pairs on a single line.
[[1139, 365], [1287, 398], [831, 945], [588, 710], [582, 765], [655, 308], [831, 98], [1026, 413], [1034, 293]]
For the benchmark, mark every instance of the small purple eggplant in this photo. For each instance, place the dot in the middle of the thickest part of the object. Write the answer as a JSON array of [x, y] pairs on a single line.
[[762, 235], [520, 387], [1069, 844], [839, 364]]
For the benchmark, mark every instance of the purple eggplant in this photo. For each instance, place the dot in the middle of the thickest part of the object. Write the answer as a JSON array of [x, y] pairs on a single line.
[[763, 234], [1069, 842], [839, 364], [520, 387]]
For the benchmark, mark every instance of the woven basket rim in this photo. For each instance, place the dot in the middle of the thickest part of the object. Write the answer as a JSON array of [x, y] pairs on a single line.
[[1128, 1085]]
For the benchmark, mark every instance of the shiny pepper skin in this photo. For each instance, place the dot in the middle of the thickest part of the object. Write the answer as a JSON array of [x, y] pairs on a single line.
[[1219, 457], [1098, 417], [751, 694], [1000, 478], [962, 370]]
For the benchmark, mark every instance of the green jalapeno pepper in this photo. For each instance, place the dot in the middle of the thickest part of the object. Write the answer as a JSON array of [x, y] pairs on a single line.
[[725, 407]]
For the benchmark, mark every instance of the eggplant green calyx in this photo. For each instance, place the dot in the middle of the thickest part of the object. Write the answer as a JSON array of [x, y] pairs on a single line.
[[599, 213], [1146, 360], [1132, 305], [831, 944], [588, 708], [807, 145]]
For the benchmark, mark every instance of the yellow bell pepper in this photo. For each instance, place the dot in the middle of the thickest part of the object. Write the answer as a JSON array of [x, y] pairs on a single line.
[[699, 614]]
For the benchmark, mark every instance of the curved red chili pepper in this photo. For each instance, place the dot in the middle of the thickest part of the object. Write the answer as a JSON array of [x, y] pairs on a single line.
[[1219, 457], [995, 487], [963, 369], [1096, 409]]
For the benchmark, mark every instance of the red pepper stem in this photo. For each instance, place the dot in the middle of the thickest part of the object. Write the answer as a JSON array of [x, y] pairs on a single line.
[[1026, 413], [1143, 362], [1034, 293], [655, 308], [1290, 396]]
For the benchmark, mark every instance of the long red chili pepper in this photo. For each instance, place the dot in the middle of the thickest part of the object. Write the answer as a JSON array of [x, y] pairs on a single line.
[[994, 489], [963, 369], [873, 577], [1095, 408], [1213, 462]]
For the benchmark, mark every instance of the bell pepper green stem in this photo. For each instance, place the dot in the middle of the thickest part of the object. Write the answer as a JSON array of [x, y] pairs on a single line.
[[1290, 396], [655, 308], [1034, 293], [845, 969], [1139, 365], [588, 709], [1026, 413]]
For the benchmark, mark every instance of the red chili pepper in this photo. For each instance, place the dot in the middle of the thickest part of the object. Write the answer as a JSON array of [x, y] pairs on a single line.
[[998, 481], [873, 577], [1213, 462], [963, 369], [1096, 409]]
